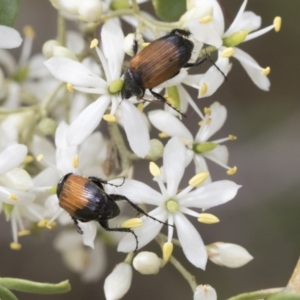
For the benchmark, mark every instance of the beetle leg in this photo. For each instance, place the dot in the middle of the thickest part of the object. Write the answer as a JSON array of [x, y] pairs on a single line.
[[116, 197], [135, 47], [79, 230], [162, 99], [197, 63], [99, 182], [104, 224]]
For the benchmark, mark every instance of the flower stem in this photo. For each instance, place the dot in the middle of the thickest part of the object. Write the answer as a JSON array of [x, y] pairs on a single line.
[[61, 29], [262, 294], [6, 294]]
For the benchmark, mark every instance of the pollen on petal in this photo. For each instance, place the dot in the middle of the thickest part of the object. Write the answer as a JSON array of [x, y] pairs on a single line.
[[94, 43], [232, 171], [232, 137], [140, 107], [15, 246], [45, 223], [29, 31], [154, 169], [208, 218], [163, 135], [228, 52], [75, 161], [13, 197], [203, 89], [167, 250], [266, 71], [24, 232], [109, 118], [132, 223], [70, 87], [277, 23], [206, 19]]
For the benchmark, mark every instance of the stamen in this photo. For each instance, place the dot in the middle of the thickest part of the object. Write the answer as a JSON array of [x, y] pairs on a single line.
[[154, 169], [75, 161], [13, 197], [208, 218], [24, 232], [132, 223], [140, 107], [198, 179], [28, 159], [207, 111], [70, 87], [109, 118], [266, 71], [203, 89], [232, 137], [29, 31], [145, 44], [167, 250], [277, 23], [94, 43], [15, 246], [46, 223], [40, 157], [163, 135], [206, 19], [228, 52], [169, 99], [232, 171]]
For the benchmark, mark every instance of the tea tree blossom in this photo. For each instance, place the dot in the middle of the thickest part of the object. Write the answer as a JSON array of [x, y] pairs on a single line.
[[171, 205], [9, 38], [199, 148]]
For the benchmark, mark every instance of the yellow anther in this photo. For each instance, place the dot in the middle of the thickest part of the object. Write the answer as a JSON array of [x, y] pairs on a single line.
[[200, 123], [15, 246], [266, 71], [206, 19], [208, 121], [163, 135], [169, 99], [232, 137], [154, 169], [94, 43], [39, 157], [45, 223], [28, 159], [167, 250], [13, 197], [208, 218], [203, 89], [132, 223], [277, 23], [70, 87], [75, 161], [29, 31], [140, 107], [24, 232], [207, 111], [109, 118], [145, 44], [228, 52], [198, 179], [232, 171]]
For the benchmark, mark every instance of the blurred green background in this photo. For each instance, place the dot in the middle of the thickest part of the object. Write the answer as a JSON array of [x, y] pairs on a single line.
[[264, 217]]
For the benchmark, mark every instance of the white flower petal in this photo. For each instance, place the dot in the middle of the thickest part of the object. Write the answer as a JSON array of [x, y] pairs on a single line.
[[201, 166], [210, 195], [17, 178], [205, 292], [219, 154], [218, 117], [24, 198], [137, 192], [87, 121], [175, 80], [74, 72], [8, 62], [11, 157], [89, 232], [169, 124], [41, 145], [112, 38], [190, 240], [75, 42], [136, 129], [174, 159], [146, 233], [36, 66], [9, 37], [253, 69]]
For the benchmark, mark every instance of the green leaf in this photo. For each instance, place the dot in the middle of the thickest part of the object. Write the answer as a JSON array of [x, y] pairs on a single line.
[[169, 10], [285, 297], [8, 12], [6, 294]]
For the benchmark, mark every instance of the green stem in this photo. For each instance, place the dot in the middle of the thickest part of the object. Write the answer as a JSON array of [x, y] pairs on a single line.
[[61, 29], [27, 286], [262, 294], [294, 282], [6, 294], [129, 258]]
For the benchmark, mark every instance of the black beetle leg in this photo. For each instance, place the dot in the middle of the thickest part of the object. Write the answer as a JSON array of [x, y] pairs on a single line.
[[79, 230], [99, 182]]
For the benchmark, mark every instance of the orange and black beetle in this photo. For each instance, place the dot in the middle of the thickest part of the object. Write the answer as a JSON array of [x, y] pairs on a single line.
[[86, 200], [161, 60]]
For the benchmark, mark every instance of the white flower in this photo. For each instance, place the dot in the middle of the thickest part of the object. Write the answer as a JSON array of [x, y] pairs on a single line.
[[200, 148], [228, 255], [9, 37], [147, 263], [241, 30], [84, 80], [205, 292], [118, 282], [171, 206]]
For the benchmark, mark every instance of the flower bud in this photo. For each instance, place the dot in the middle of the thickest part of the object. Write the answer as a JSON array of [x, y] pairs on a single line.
[[205, 292], [47, 48], [118, 282], [228, 255], [147, 263], [156, 150], [47, 126], [90, 10]]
